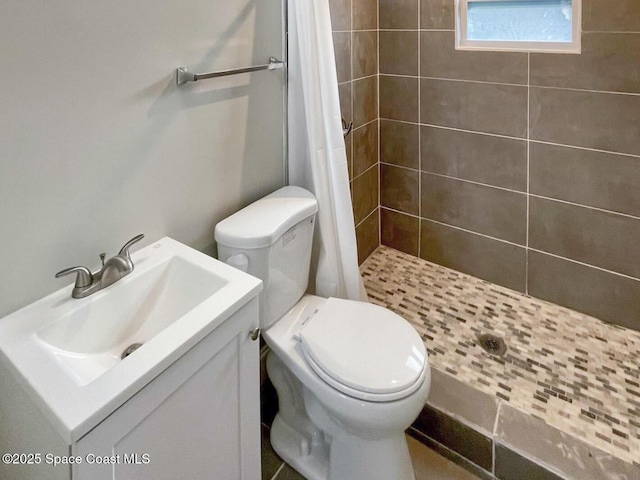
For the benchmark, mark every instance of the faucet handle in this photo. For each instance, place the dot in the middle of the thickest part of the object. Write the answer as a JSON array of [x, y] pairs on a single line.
[[125, 250], [84, 278]]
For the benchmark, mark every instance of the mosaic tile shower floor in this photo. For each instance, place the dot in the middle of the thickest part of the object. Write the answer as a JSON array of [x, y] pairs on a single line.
[[576, 373]]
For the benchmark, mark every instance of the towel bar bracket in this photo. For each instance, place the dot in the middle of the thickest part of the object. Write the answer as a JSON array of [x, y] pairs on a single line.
[[183, 75], [346, 128]]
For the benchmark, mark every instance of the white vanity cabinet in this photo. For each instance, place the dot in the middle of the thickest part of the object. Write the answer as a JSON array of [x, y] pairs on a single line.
[[184, 405], [197, 420]]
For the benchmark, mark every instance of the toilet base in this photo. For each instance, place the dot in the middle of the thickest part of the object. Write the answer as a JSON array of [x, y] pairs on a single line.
[[355, 458], [346, 459], [310, 460]]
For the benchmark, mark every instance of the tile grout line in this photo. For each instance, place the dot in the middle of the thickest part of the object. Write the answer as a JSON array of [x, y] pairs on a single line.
[[426, 172], [419, 140], [367, 217], [493, 436], [508, 137], [416, 30], [352, 99], [517, 192], [577, 147], [589, 207], [378, 163], [363, 125], [508, 242], [578, 262], [526, 261], [510, 84], [440, 79], [613, 32], [280, 468], [365, 77]]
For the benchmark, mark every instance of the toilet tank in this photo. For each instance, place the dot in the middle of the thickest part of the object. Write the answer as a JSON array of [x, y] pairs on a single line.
[[271, 239]]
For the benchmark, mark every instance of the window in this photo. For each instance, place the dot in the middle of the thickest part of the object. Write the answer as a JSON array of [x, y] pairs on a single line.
[[520, 25]]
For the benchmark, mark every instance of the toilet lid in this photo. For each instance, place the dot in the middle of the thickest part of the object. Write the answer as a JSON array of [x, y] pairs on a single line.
[[363, 347]]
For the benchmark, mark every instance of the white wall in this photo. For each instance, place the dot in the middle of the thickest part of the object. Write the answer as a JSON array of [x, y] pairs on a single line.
[[98, 144]]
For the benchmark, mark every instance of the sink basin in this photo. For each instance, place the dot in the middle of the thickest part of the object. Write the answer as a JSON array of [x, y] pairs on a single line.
[[67, 353], [91, 337]]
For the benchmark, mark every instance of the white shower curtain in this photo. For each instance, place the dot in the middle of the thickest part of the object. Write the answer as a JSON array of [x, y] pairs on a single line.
[[317, 154]]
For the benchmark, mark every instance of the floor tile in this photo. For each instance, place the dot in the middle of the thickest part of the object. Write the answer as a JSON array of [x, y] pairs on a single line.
[[271, 462], [428, 465], [288, 473]]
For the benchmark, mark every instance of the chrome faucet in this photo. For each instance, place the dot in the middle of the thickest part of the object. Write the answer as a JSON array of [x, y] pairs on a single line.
[[112, 270]]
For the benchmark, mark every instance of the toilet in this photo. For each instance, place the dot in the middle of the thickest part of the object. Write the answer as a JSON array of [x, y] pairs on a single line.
[[351, 376]]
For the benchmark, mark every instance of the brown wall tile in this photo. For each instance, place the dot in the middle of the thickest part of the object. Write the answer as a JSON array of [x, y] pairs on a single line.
[[365, 14], [399, 53], [401, 14], [399, 143], [597, 179], [481, 107], [355, 24], [595, 237], [437, 14], [460, 96], [481, 158], [491, 211], [399, 188], [611, 297], [348, 145], [342, 50], [365, 147], [399, 231], [365, 194], [399, 98], [611, 16], [340, 14], [482, 257], [603, 121], [365, 54], [365, 101], [608, 62], [344, 91], [367, 236], [440, 59]]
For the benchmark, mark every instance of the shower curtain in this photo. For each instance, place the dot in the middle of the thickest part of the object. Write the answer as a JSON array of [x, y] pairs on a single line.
[[317, 154]]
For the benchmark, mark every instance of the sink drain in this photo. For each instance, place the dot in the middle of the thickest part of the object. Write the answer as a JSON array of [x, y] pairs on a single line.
[[130, 349], [492, 344]]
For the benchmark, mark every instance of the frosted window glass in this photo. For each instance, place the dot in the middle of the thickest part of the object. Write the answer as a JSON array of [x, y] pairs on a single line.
[[524, 20]]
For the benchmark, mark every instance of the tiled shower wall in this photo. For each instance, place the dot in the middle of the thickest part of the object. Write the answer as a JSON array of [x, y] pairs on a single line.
[[521, 169], [355, 36]]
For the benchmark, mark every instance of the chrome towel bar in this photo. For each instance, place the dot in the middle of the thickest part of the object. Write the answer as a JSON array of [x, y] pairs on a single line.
[[183, 75]]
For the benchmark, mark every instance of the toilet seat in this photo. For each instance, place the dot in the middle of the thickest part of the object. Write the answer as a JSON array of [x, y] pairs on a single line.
[[363, 350]]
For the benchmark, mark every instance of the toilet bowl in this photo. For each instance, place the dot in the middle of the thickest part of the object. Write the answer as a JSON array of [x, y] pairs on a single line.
[[350, 376], [325, 433]]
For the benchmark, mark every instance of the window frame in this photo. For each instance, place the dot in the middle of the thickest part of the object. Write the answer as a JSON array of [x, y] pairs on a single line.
[[463, 43]]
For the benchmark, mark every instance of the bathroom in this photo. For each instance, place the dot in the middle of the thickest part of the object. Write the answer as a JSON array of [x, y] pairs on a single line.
[[529, 182]]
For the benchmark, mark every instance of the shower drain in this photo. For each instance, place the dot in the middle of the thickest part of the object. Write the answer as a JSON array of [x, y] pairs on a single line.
[[130, 349], [492, 344]]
